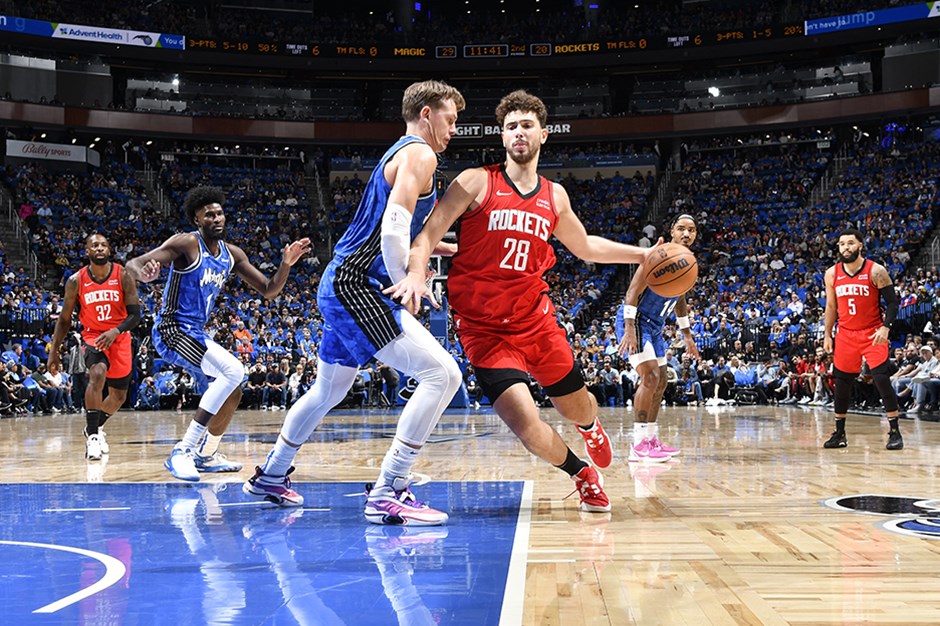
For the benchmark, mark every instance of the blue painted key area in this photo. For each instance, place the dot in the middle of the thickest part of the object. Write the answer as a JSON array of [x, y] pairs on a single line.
[[173, 553]]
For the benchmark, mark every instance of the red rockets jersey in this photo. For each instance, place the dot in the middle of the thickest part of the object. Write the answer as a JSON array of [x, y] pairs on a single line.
[[101, 305], [858, 298], [495, 278]]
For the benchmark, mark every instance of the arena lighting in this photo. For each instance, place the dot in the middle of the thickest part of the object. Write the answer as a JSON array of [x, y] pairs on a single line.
[[42, 136], [74, 140], [91, 145], [176, 82], [97, 139], [714, 92], [149, 142]]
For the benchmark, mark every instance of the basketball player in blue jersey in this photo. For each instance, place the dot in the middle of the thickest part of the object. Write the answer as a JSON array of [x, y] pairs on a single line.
[[200, 263], [360, 322], [640, 324]]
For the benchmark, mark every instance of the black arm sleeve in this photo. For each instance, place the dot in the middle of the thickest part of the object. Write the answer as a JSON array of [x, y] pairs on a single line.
[[133, 318], [891, 301]]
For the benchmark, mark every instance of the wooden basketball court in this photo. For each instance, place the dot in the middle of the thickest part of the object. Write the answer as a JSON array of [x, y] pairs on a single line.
[[754, 523]]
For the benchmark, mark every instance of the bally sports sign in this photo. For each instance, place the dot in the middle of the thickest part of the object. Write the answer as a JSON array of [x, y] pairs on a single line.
[[51, 152]]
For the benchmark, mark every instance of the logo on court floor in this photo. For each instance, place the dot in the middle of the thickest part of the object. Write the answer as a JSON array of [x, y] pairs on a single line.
[[911, 516]]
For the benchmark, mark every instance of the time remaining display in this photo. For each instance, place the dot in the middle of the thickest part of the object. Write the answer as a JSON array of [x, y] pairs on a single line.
[[486, 51]]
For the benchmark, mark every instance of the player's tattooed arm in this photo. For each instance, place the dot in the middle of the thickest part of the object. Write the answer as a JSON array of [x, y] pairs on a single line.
[[880, 276]]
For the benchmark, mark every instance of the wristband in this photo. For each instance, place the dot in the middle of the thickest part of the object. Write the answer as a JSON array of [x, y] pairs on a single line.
[[629, 312], [683, 322]]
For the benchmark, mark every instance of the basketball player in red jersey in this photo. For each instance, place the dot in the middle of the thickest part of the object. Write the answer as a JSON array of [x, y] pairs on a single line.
[[854, 289], [502, 313], [108, 307]]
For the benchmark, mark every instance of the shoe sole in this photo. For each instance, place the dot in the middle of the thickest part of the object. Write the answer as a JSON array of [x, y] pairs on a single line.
[[591, 508], [635, 458], [247, 490], [839, 445], [219, 470], [384, 519], [194, 479]]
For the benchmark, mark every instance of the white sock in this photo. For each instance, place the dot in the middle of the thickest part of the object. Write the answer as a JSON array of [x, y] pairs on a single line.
[[640, 432], [193, 434], [397, 463], [209, 445], [652, 429], [279, 459]]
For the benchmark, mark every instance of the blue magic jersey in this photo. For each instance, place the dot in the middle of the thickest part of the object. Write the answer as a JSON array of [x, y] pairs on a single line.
[[359, 319], [358, 254], [191, 293], [651, 310]]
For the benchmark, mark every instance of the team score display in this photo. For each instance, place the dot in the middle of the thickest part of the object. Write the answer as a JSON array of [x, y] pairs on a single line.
[[268, 48], [794, 29], [517, 258], [104, 312], [540, 49], [237, 46], [445, 52]]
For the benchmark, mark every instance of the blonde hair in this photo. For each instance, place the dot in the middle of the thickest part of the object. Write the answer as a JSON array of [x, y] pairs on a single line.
[[430, 93], [521, 100], [285, 366]]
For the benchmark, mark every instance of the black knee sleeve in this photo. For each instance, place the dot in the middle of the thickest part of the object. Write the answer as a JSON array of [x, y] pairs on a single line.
[[843, 394], [882, 383]]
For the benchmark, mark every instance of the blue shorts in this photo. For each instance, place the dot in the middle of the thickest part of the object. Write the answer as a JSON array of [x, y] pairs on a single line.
[[184, 347], [358, 321], [650, 343]]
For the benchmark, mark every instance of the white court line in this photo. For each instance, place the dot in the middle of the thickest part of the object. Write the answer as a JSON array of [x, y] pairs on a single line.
[[514, 594], [114, 571], [550, 551], [104, 508]]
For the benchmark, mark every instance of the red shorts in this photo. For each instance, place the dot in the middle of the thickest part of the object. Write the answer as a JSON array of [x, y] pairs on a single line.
[[541, 349], [852, 345], [119, 358]]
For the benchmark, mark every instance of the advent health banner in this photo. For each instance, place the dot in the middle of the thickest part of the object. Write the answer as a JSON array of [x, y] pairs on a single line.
[[97, 34]]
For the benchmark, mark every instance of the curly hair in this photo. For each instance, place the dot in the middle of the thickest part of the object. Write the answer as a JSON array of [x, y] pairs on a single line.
[[199, 197], [521, 100]]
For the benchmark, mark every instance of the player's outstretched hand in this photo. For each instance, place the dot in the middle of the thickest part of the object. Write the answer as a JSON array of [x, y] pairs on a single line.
[[827, 344], [53, 364], [410, 290], [293, 251], [690, 348], [150, 271], [649, 250]]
